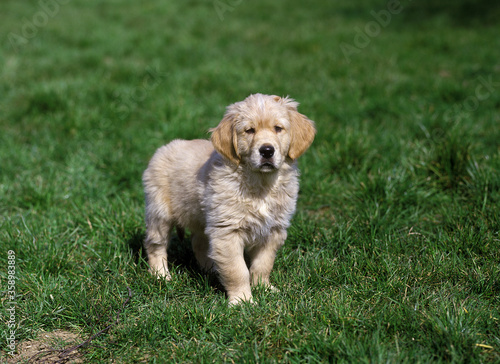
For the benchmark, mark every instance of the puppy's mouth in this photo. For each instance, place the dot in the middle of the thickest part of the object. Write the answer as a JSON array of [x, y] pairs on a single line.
[[267, 166]]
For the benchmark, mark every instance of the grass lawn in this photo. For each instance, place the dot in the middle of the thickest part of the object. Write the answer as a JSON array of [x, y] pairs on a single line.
[[394, 252]]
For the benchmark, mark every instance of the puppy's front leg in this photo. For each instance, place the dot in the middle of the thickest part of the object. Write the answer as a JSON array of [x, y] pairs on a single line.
[[227, 254], [262, 258]]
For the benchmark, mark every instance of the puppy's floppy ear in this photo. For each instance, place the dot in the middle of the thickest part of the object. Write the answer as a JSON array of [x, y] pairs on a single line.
[[302, 129], [224, 138]]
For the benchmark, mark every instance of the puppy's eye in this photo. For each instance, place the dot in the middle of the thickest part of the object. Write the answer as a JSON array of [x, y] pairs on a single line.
[[278, 129], [250, 131]]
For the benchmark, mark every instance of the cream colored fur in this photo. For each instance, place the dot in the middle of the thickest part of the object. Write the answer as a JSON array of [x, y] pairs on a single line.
[[231, 193]]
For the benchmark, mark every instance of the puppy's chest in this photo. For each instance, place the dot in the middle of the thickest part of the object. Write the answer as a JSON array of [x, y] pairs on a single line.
[[266, 213], [262, 210]]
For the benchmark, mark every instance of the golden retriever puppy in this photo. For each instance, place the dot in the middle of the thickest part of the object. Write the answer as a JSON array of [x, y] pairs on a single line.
[[235, 193]]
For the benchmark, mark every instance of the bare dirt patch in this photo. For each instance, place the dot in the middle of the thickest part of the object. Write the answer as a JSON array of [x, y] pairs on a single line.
[[48, 348]]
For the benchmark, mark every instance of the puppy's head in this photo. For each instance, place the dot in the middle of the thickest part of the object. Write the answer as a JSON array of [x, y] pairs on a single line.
[[262, 131]]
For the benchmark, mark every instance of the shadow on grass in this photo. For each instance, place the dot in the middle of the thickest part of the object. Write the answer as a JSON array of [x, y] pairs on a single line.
[[134, 242], [462, 12], [180, 256], [465, 13]]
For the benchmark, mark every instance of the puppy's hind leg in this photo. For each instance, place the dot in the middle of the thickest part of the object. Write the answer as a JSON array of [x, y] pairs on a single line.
[[157, 237], [199, 243]]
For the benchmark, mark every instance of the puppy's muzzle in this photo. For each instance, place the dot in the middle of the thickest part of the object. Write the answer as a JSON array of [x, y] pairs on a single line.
[[266, 152]]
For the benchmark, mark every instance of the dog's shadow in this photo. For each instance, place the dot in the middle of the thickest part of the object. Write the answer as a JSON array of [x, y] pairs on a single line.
[[179, 255]]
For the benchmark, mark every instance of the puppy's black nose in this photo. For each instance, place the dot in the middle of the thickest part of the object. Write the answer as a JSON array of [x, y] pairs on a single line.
[[266, 151]]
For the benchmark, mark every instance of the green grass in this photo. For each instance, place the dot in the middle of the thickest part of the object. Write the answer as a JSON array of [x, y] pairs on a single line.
[[394, 252]]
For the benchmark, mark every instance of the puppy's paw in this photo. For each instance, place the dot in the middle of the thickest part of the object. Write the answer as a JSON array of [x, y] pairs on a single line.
[[272, 289], [236, 301], [161, 273], [268, 287]]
